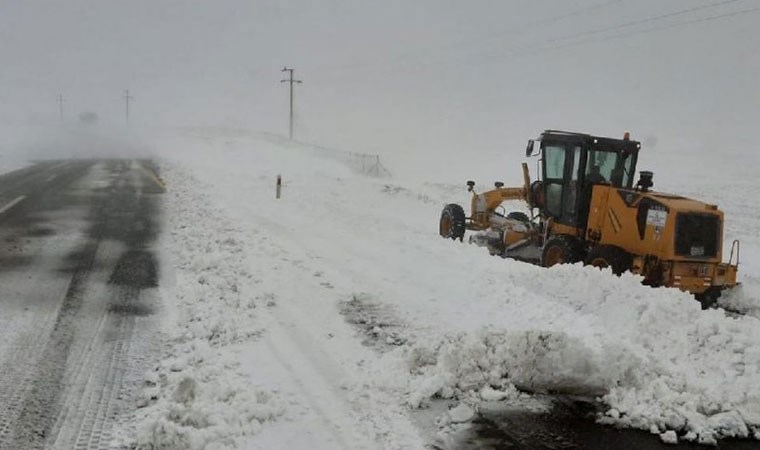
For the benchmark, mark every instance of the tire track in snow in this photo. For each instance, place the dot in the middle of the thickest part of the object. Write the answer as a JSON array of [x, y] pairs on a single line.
[[35, 420], [16, 373], [91, 400], [318, 374], [309, 380]]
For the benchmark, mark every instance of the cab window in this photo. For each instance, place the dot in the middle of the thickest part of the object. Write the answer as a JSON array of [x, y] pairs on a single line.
[[603, 162], [606, 166]]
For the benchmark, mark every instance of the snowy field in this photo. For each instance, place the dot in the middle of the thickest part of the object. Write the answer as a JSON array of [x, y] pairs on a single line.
[[326, 318]]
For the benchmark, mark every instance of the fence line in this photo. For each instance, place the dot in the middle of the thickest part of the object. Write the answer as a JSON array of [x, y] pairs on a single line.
[[365, 163]]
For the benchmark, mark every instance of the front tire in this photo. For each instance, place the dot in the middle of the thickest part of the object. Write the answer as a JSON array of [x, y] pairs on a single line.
[[452, 223], [561, 249], [709, 298], [604, 256]]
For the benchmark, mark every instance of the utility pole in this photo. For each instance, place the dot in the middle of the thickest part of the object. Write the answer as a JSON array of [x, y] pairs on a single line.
[[60, 106], [127, 98], [291, 81]]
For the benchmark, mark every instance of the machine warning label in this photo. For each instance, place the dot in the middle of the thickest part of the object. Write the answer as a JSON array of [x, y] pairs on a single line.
[[657, 218]]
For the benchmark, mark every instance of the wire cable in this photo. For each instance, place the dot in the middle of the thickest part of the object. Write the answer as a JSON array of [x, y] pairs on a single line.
[[567, 40], [571, 39], [416, 55], [659, 28], [645, 20]]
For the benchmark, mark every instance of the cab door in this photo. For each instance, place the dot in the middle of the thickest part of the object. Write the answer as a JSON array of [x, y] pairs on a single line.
[[562, 164]]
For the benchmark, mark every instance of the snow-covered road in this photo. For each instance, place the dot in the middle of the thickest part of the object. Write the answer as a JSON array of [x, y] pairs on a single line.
[[78, 297]]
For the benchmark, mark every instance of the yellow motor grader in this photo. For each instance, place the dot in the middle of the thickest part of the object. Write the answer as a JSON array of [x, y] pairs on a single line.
[[585, 208]]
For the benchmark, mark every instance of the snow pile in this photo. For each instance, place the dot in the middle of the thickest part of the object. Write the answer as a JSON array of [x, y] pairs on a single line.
[[701, 377], [535, 361], [199, 395], [744, 299], [200, 403], [656, 359]]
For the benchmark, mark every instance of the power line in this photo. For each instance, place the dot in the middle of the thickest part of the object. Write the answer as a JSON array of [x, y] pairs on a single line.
[[540, 46], [565, 41], [658, 28], [531, 25], [469, 42], [642, 21], [577, 12]]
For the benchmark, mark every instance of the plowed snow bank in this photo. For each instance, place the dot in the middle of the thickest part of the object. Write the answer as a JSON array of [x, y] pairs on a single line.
[[657, 360]]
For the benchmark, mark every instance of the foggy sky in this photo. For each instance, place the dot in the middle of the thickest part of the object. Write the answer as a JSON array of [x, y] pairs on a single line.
[[431, 83]]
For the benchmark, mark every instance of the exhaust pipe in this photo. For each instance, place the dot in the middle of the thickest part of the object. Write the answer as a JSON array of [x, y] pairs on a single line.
[[645, 181]]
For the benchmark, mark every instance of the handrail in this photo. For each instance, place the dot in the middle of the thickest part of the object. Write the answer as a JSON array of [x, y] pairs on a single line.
[[734, 245]]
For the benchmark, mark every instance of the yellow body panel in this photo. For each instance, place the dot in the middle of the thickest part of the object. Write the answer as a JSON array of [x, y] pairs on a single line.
[[485, 203], [613, 220]]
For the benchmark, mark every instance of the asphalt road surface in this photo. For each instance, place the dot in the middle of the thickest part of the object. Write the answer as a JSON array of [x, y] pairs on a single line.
[[568, 424], [78, 280]]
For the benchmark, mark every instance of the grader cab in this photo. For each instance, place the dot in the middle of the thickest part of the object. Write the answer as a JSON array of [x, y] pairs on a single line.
[[586, 208]]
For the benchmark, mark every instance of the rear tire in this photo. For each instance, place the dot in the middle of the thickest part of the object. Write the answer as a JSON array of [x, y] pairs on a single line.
[[617, 259], [561, 249], [452, 223]]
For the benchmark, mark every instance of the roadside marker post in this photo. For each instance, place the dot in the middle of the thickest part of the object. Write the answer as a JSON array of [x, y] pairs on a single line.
[[279, 185]]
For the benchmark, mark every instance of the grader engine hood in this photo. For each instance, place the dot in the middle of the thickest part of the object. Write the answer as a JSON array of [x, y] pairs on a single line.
[[675, 241], [694, 229], [668, 226]]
